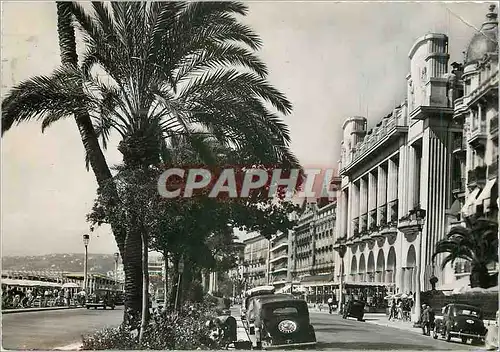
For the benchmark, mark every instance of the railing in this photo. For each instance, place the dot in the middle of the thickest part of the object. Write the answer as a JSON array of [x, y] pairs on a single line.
[[382, 215], [364, 222], [458, 185], [478, 129], [493, 169], [393, 207], [458, 143], [355, 226], [373, 216], [377, 134], [480, 173], [494, 124]]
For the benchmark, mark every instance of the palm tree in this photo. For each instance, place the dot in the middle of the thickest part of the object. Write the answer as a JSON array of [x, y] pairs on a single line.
[[179, 68], [173, 68], [476, 243]]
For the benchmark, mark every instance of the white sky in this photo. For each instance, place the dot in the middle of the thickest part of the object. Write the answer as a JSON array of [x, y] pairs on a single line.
[[331, 60]]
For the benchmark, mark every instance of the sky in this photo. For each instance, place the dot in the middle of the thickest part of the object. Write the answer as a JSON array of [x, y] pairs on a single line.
[[332, 60]]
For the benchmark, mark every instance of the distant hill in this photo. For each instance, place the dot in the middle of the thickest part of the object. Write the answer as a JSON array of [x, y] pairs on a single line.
[[99, 263]]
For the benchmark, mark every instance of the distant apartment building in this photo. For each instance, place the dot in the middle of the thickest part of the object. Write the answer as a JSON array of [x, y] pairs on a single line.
[[313, 258], [280, 261], [255, 265], [423, 164]]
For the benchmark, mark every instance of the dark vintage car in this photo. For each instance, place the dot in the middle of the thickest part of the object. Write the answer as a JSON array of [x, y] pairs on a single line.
[[354, 309], [461, 321], [275, 322], [101, 298], [253, 292]]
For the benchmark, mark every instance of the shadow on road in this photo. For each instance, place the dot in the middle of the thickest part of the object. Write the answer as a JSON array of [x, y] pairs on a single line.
[[379, 346]]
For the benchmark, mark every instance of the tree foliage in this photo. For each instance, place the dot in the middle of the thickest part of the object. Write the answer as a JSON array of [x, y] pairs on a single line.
[[476, 243]]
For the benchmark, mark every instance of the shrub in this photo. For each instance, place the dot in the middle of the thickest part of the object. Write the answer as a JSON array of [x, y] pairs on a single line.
[[167, 330]]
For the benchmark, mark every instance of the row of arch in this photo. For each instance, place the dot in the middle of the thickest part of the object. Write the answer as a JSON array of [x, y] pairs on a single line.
[[368, 266]]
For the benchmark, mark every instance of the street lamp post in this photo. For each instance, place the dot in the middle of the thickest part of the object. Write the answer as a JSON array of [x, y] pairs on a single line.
[[116, 256], [341, 250], [419, 217], [86, 240]]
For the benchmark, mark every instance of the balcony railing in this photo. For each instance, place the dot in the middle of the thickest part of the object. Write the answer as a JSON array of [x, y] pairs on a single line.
[[373, 137], [493, 169], [393, 210], [494, 124], [373, 216], [458, 185], [459, 144], [478, 132], [363, 222], [355, 226], [477, 175]]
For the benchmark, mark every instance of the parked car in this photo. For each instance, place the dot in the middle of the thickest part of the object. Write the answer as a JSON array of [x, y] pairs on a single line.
[[101, 298], [462, 321], [279, 321], [355, 309], [256, 291]]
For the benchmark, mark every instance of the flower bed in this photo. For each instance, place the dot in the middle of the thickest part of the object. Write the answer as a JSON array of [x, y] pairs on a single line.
[[185, 330]]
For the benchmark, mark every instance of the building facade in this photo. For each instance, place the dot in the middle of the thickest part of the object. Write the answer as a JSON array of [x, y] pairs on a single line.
[[280, 261], [405, 181], [256, 261], [393, 171], [313, 258], [475, 148]]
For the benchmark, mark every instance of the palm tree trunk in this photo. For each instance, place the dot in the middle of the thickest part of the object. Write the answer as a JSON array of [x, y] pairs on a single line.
[[69, 57], [145, 287], [479, 276], [132, 265]]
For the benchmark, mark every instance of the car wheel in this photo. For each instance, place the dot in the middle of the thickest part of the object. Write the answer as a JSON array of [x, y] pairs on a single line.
[[360, 319], [104, 307], [448, 336], [88, 307], [112, 307], [464, 339]]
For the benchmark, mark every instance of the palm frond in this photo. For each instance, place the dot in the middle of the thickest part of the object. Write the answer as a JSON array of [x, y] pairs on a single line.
[[45, 97]]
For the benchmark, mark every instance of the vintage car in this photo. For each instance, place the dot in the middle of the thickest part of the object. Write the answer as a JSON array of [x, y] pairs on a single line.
[[354, 309], [462, 321], [253, 292], [279, 321], [101, 298]]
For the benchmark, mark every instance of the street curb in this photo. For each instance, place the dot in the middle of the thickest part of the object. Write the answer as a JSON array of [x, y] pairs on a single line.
[[27, 310], [77, 346]]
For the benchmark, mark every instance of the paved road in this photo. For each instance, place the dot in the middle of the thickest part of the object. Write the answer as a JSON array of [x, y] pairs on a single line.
[[51, 329], [335, 333]]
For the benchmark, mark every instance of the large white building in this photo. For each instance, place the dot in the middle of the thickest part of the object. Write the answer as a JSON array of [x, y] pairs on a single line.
[[401, 179]]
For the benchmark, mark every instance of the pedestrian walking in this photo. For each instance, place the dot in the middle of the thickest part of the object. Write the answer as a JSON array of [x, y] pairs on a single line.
[[425, 320], [392, 310], [330, 305]]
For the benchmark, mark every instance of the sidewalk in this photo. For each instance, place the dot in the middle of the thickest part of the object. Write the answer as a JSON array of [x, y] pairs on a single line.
[[382, 320], [77, 346], [26, 310]]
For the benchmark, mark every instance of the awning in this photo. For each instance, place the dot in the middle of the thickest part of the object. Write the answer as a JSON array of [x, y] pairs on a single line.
[[325, 278], [470, 202], [484, 197], [454, 209]]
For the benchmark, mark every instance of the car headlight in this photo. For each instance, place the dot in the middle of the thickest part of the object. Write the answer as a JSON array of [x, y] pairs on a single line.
[[287, 326], [455, 323]]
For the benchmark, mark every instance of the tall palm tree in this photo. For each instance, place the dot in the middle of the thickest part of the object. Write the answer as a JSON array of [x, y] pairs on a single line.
[[476, 243], [179, 68], [173, 68]]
